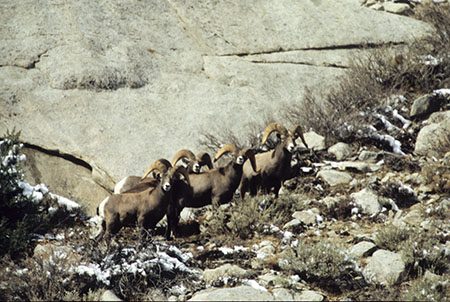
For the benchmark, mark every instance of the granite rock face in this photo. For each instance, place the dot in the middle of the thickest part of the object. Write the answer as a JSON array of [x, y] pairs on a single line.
[[121, 84]]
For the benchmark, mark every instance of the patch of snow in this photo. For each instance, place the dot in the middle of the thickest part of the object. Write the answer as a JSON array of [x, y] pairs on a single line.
[[36, 193], [306, 169], [183, 256], [319, 219], [393, 143], [60, 237], [67, 203], [227, 250], [295, 278], [254, 284], [430, 60], [442, 91], [93, 269], [178, 290], [20, 272], [406, 123]]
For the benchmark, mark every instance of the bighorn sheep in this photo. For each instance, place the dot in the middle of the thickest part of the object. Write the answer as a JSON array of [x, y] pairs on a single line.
[[217, 185], [274, 165], [146, 207], [192, 162], [130, 182]]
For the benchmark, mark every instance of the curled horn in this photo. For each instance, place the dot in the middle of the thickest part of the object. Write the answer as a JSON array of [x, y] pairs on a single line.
[[182, 153], [298, 132], [271, 128], [225, 149], [182, 170], [205, 159], [161, 165]]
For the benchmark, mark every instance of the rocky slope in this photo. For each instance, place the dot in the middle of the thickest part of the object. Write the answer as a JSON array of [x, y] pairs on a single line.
[[120, 84]]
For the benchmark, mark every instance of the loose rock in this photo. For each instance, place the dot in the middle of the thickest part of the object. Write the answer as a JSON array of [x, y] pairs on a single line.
[[226, 270], [362, 249], [334, 178], [367, 200], [340, 150], [384, 267]]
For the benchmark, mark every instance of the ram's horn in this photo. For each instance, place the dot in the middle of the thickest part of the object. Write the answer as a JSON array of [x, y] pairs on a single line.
[[183, 153], [161, 165], [271, 128], [225, 149]]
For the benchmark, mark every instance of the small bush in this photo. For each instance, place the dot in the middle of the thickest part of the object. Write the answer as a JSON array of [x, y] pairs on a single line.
[[327, 266], [401, 194], [390, 237], [243, 218], [25, 211], [427, 290]]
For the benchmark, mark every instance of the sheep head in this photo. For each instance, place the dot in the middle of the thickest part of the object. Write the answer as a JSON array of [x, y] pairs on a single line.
[[189, 160], [168, 178], [287, 137], [204, 159], [161, 166], [240, 155]]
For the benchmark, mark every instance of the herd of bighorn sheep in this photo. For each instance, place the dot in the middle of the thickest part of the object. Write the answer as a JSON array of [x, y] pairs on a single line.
[[192, 181]]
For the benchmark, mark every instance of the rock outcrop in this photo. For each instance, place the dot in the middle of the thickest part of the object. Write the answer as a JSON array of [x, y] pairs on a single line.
[[119, 85]]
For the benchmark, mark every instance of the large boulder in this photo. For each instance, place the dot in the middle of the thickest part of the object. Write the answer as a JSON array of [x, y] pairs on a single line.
[[434, 138], [123, 84], [367, 200], [384, 267], [64, 177]]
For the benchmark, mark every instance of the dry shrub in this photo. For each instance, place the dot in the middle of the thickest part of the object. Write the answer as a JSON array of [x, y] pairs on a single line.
[[427, 290], [421, 250], [327, 266], [416, 69], [243, 218], [390, 237], [403, 196]]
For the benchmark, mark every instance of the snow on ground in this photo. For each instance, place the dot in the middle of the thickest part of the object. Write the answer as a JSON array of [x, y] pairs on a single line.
[[65, 202]]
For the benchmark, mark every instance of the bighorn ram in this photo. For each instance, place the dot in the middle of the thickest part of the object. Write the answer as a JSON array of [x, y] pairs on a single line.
[[148, 206], [217, 185], [274, 165], [192, 162], [130, 182]]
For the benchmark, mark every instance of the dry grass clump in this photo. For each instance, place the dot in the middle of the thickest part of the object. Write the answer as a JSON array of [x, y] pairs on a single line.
[[390, 237], [327, 266], [427, 290], [401, 194], [421, 250], [244, 218]]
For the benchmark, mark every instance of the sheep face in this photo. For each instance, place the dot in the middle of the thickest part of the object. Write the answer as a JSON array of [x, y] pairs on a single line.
[[196, 167], [290, 144]]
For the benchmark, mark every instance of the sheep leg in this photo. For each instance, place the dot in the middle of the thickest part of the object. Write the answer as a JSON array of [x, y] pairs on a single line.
[[243, 188], [253, 187], [172, 221], [215, 202], [276, 189], [142, 227]]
